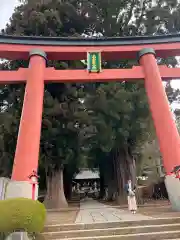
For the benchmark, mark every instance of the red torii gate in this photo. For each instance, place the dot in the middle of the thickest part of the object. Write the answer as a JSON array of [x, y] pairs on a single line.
[[38, 50]]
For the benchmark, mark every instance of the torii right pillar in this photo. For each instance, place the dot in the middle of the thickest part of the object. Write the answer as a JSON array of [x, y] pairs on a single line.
[[166, 130]]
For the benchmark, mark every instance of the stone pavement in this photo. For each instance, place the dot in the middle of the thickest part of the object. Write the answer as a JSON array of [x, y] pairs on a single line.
[[92, 211]]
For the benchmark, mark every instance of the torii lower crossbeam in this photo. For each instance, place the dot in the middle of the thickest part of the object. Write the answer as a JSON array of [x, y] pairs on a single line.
[[82, 76]]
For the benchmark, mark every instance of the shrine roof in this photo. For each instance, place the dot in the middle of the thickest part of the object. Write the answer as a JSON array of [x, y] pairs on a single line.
[[87, 174]]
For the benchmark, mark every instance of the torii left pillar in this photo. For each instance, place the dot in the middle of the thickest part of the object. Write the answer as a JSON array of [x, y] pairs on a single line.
[[28, 142]]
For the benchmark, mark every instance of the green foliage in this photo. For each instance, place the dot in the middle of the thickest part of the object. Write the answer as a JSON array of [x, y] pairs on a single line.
[[172, 94], [120, 115], [22, 214]]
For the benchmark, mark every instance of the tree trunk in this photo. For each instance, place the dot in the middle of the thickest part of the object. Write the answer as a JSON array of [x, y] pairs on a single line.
[[111, 189], [122, 176], [126, 170], [55, 197], [102, 184], [112, 178], [68, 189], [131, 166]]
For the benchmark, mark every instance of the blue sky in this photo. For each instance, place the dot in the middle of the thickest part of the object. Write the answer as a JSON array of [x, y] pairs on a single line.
[[7, 7]]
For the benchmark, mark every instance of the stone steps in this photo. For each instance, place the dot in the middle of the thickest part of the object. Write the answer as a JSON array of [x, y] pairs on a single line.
[[81, 226], [153, 229], [140, 236], [112, 231]]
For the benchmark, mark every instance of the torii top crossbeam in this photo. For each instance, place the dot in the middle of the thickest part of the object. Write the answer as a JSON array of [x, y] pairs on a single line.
[[15, 48]]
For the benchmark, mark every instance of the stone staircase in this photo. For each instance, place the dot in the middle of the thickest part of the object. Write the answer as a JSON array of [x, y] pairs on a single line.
[[153, 229]]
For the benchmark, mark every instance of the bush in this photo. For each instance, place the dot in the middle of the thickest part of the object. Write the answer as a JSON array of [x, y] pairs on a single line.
[[21, 214]]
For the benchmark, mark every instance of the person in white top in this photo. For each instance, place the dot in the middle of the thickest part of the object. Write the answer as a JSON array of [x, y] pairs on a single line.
[[131, 197]]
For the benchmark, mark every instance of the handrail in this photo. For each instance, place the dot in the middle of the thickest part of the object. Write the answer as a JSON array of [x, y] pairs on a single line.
[[102, 41]]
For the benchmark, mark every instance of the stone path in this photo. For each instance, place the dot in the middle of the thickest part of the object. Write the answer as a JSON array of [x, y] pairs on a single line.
[[92, 211]]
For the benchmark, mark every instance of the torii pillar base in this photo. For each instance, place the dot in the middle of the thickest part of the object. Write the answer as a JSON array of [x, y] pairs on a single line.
[[166, 130], [17, 189], [173, 188]]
